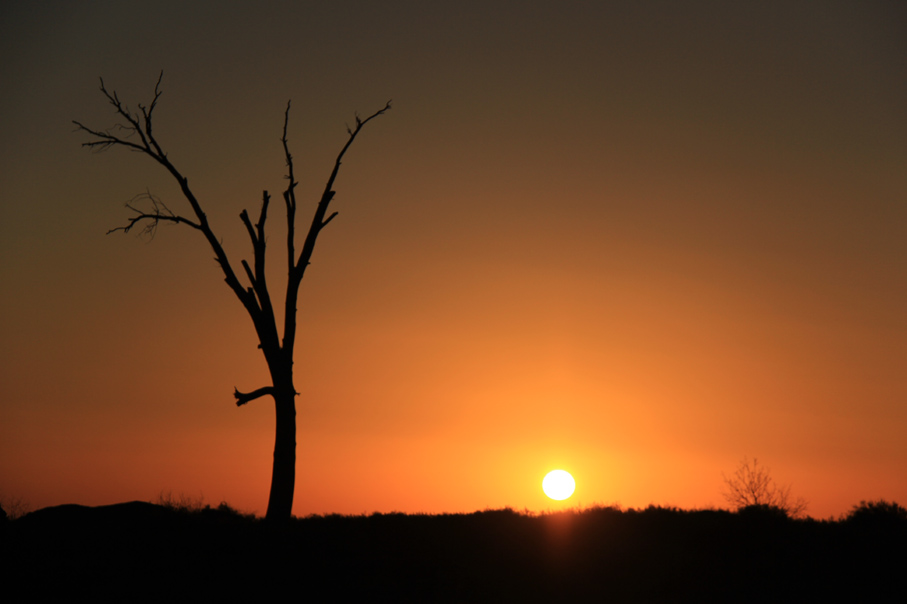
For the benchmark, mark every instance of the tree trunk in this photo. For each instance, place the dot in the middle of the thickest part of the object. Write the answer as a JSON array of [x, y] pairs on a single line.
[[283, 476]]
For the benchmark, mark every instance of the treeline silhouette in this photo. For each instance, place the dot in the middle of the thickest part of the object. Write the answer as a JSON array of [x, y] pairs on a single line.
[[141, 551]]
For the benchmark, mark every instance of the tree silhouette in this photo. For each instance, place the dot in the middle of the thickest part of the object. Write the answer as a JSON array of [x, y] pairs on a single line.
[[752, 485], [134, 132]]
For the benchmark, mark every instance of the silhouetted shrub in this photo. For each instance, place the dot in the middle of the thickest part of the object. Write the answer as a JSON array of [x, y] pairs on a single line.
[[224, 513], [13, 507], [877, 512], [763, 512], [181, 502]]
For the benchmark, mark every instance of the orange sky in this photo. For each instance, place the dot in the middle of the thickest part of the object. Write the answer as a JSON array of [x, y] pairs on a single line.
[[631, 240]]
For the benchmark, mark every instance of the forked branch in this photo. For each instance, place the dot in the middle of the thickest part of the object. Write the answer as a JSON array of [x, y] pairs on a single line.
[[140, 125], [319, 221], [107, 138], [159, 213]]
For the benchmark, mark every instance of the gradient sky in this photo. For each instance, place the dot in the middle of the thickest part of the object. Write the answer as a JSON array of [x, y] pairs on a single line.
[[638, 241]]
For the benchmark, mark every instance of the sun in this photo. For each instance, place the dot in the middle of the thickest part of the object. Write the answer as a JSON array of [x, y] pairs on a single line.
[[558, 484]]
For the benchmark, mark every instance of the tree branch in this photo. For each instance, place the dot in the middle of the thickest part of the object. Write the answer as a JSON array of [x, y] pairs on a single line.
[[297, 267], [262, 216], [107, 139], [244, 397], [249, 273], [319, 223], [150, 146], [328, 219], [147, 113], [244, 217], [258, 277], [159, 213], [289, 196]]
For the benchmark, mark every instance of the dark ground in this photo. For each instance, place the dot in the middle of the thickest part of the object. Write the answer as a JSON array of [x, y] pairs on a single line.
[[142, 552]]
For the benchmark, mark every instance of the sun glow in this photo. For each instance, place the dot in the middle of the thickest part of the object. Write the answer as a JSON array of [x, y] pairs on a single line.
[[558, 485]]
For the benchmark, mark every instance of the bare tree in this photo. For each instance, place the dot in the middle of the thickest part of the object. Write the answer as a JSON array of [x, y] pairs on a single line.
[[752, 485], [134, 132]]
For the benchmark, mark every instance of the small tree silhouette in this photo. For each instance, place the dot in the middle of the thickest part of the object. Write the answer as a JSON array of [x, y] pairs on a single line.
[[134, 132], [752, 485]]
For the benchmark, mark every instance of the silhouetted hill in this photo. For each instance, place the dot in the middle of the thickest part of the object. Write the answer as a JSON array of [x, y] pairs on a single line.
[[140, 552]]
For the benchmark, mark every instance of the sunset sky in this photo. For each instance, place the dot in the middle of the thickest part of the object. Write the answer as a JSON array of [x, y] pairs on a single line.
[[638, 241]]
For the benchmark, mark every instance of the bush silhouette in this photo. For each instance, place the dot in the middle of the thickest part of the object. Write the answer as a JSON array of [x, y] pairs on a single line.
[[877, 513], [762, 511]]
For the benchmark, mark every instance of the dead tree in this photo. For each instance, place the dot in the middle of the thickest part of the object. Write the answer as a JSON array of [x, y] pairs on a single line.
[[753, 485], [134, 132]]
